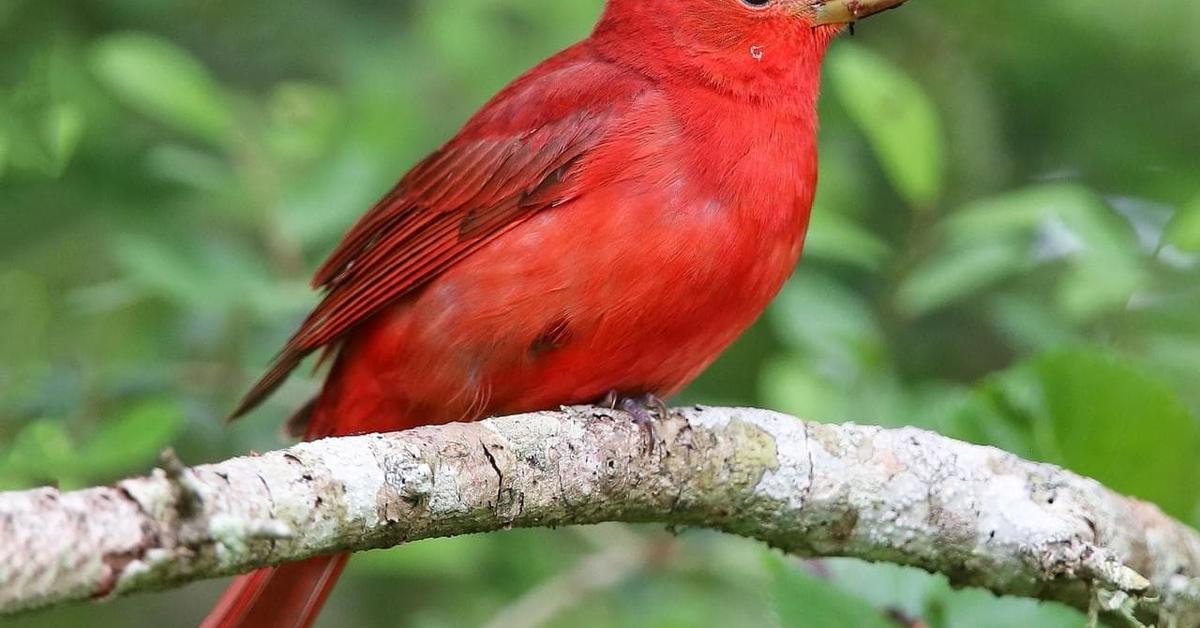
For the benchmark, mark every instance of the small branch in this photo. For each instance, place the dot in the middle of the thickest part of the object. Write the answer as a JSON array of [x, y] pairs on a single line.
[[979, 515]]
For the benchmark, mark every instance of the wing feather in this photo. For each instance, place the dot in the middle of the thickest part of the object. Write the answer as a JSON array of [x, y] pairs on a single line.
[[494, 175]]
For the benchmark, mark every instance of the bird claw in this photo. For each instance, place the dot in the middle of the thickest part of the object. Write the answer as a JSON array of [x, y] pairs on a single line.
[[642, 409]]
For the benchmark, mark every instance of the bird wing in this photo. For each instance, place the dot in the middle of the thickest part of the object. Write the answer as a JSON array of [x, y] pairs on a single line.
[[518, 156]]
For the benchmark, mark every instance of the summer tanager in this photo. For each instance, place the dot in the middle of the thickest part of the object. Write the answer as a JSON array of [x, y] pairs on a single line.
[[608, 223]]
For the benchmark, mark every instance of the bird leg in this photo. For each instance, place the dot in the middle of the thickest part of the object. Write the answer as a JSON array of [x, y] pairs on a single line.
[[642, 409]]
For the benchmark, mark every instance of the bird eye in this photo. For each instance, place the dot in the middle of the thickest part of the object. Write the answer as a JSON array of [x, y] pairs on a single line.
[[756, 4]]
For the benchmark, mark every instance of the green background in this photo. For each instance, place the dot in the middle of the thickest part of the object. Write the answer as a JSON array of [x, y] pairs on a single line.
[[1006, 249]]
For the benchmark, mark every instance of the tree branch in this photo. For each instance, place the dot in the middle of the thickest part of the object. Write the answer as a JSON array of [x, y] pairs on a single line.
[[979, 515]]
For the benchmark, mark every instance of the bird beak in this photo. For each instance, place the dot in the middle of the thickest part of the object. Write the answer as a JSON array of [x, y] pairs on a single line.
[[848, 11]]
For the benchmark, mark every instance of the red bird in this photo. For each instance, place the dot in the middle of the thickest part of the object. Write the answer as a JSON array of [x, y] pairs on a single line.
[[608, 223]]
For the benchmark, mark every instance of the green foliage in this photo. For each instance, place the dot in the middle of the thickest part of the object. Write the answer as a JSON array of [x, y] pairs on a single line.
[[1184, 231], [837, 238], [162, 81], [1085, 411], [911, 593], [1004, 249], [898, 119], [803, 599], [959, 273], [1096, 405], [44, 450]]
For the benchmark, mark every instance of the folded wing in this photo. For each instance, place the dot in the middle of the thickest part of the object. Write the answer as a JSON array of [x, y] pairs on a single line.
[[520, 155]]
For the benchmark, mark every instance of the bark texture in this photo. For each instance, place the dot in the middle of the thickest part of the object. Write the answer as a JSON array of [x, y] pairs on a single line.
[[979, 515]]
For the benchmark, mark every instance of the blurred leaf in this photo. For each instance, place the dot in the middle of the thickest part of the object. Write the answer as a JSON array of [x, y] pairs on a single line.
[[789, 385], [802, 599], [318, 208], [839, 367], [211, 276], [831, 324], [4, 147], [983, 609], [132, 440], [165, 271], [1109, 268], [1008, 234], [930, 598], [39, 138], [897, 117], [163, 81], [63, 128], [835, 237], [455, 557], [1184, 230], [1177, 355], [959, 273], [1020, 212], [195, 168], [1123, 427], [882, 585], [1031, 324], [1006, 411], [42, 452], [25, 312], [1098, 416], [304, 120]]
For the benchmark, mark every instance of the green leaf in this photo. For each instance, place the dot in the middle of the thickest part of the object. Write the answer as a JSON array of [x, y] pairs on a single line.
[[206, 276], [1098, 416], [885, 585], [170, 272], [4, 148], [1005, 411], [25, 305], [452, 558], [202, 170], [959, 273], [1031, 323], [1184, 230], [982, 609], [164, 82], [42, 452], [802, 599], [1123, 427], [791, 385], [837, 238], [62, 129], [1063, 224], [828, 322], [133, 440], [1017, 212], [898, 119], [304, 121], [930, 598]]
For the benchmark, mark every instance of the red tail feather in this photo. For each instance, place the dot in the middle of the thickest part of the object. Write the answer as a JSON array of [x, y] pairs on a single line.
[[288, 596]]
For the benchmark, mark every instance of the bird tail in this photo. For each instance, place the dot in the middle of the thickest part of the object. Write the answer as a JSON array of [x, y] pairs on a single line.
[[287, 596], [291, 595]]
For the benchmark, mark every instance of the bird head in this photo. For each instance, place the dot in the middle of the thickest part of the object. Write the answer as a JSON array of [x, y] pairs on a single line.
[[751, 47]]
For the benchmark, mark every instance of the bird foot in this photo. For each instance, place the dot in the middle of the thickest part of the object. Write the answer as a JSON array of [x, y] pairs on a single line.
[[642, 409]]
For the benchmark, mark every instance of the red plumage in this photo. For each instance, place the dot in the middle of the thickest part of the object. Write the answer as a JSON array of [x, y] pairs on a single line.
[[611, 221]]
